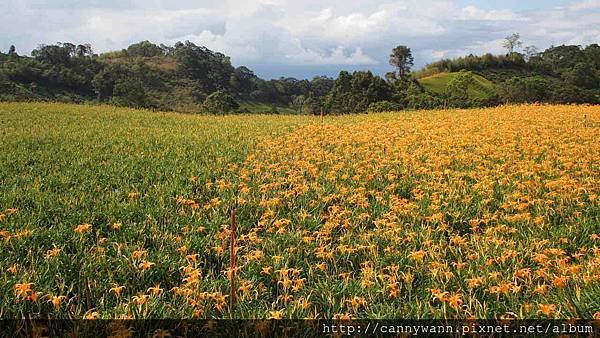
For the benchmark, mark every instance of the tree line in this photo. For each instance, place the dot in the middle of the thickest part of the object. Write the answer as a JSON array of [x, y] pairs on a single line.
[[190, 78]]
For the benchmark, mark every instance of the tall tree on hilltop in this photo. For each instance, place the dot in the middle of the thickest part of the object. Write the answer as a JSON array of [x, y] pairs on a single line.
[[512, 42], [402, 59], [530, 51], [84, 50]]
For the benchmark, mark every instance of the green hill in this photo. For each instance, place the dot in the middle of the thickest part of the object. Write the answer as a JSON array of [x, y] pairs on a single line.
[[480, 88]]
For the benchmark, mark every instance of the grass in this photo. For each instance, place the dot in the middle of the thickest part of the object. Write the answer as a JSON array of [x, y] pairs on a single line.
[[437, 83], [118, 213], [63, 165]]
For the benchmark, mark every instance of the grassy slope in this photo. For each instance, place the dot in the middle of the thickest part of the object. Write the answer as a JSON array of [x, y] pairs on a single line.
[[437, 83]]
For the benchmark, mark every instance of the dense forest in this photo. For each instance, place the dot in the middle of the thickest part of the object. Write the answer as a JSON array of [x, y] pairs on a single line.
[[190, 78]]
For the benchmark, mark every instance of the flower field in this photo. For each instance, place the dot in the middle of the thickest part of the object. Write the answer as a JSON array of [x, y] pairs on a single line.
[[118, 213]]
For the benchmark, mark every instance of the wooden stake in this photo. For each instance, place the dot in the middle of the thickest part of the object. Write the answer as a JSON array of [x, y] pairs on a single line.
[[232, 263]]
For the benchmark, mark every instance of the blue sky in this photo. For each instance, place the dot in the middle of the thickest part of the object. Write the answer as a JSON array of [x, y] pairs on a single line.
[[303, 38]]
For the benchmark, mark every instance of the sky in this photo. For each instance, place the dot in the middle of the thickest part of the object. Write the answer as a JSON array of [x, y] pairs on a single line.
[[303, 38]]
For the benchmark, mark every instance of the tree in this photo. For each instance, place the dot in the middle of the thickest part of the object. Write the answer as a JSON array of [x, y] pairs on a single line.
[[418, 98], [320, 86], [144, 49], [53, 54], [402, 59], [568, 93], [592, 54], [103, 83], [352, 93], [308, 105], [512, 42], [529, 52], [241, 80], [582, 75], [129, 93], [220, 102], [557, 59], [211, 70], [84, 50], [525, 89], [391, 77], [383, 106], [458, 87]]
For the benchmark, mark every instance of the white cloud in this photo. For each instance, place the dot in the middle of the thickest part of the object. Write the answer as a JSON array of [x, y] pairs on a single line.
[[368, 25], [474, 13], [258, 37], [337, 56], [493, 46], [433, 54], [588, 4]]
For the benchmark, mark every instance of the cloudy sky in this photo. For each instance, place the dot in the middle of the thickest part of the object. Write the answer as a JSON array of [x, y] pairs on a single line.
[[303, 38]]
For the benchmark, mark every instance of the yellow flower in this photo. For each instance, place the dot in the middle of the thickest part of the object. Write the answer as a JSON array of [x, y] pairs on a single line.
[[547, 310], [140, 300], [474, 282], [560, 281], [91, 315], [34, 296], [117, 290], [455, 300], [52, 253], [541, 289], [277, 315], [417, 255], [439, 295], [56, 300], [192, 257], [82, 228], [137, 254], [145, 265], [23, 290], [155, 290], [342, 316]]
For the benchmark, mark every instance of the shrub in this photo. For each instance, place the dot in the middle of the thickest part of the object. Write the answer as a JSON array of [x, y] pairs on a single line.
[[424, 101], [568, 93], [129, 93], [528, 89]]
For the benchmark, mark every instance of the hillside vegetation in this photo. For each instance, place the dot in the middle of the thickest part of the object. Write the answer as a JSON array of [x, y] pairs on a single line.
[[193, 79], [480, 87], [118, 213]]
